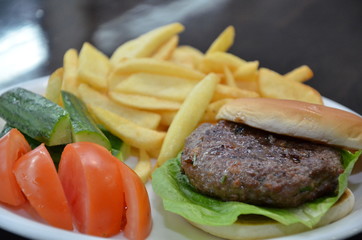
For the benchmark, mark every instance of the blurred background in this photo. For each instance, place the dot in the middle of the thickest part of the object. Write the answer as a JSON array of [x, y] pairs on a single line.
[[281, 34]]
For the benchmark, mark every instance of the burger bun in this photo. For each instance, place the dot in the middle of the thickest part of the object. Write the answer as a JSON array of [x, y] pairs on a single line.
[[297, 119]]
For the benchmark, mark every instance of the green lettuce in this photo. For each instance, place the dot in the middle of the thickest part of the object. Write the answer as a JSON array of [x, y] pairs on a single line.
[[180, 197]]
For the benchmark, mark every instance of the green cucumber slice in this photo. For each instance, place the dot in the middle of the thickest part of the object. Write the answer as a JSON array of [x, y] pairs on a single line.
[[120, 149], [36, 116], [84, 129]]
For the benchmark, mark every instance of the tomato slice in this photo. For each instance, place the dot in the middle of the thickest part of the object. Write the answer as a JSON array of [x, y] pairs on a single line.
[[93, 186], [37, 176], [12, 146], [138, 209]]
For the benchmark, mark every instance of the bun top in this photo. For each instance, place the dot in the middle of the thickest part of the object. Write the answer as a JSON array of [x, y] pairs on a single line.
[[297, 119]]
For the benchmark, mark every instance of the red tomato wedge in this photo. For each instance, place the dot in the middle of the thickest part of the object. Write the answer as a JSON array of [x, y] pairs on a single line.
[[93, 186], [12, 146], [37, 176], [138, 209]]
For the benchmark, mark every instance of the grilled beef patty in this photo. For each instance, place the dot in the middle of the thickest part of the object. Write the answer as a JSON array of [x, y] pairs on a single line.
[[235, 162]]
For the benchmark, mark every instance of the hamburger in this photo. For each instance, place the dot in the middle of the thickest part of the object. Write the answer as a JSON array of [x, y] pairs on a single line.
[[267, 168]]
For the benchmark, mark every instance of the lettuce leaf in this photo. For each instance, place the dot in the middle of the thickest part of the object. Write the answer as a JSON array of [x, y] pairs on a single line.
[[180, 197]]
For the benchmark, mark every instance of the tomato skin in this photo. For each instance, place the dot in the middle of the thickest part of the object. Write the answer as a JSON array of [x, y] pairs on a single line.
[[138, 213], [12, 146], [37, 176], [93, 186]]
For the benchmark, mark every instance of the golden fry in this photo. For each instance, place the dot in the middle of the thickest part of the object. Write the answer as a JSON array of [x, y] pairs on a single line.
[[300, 74], [129, 132], [150, 65], [139, 117], [94, 67], [213, 109], [223, 42], [229, 77], [155, 85], [52, 91], [246, 71], [187, 118], [251, 84], [146, 44], [70, 75], [143, 167], [166, 117], [273, 85], [187, 56], [246, 76], [216, 61], [223, 91], [144, 102], [114, 79], [166, 50]]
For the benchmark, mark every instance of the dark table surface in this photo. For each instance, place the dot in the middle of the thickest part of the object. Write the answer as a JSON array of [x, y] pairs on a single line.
[[281, 34]]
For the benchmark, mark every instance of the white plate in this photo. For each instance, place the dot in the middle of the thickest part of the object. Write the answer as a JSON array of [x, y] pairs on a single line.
[[167, 225]]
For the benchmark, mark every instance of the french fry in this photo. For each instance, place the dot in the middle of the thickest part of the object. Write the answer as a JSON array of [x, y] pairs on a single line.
[[167, 117], [274, 85], [223, 42], [246, 76], [145, 119], [114, 79], [150, 65], [144, 102], [216, 61], [143, 167], [187, 118], [251, 84], [187, 56], [268, 73], [146, 44], [300, 74], [155, 85], [166, 50], [70, 75], [94, 67], [129, 132], [223, 91], [213, 109], [52, 91], [229, 77], [247, 71]]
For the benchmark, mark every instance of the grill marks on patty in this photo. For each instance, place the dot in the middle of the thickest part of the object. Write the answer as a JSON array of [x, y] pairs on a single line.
[[234, 162]]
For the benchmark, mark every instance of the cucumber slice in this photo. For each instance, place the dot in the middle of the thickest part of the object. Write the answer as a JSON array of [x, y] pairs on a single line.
[[36, 116], [84, 129], [120, 149]]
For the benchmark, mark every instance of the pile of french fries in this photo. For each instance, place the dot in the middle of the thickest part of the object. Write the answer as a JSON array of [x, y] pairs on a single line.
[[152, 93]]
